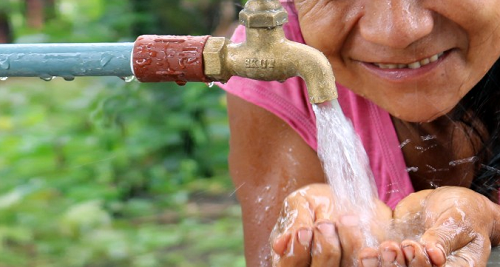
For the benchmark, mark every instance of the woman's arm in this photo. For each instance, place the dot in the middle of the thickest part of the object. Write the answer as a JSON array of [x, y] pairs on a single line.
[[267, 161]]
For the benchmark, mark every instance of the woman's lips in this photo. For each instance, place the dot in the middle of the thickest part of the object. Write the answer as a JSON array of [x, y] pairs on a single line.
[[400, 72]]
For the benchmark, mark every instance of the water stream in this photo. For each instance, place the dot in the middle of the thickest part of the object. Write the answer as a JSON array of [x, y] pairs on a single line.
[[346, 166]]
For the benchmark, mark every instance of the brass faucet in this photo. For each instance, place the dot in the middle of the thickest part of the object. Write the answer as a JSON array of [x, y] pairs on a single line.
[[267, 54]]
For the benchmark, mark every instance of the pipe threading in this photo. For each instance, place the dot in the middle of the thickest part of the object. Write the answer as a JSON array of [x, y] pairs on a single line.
[[168, 58]]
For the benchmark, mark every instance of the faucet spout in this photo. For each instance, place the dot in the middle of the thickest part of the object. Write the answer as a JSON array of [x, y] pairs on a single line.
[[267, 54], [315, 69]]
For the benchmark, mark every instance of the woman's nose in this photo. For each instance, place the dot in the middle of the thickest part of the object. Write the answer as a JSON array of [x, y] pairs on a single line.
[[395, 23]]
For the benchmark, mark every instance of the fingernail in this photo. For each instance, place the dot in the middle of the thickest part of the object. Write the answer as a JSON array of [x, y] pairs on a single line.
[[327, 229], [389, 256], [349, 220], [409, 252], [369, 262], [305, 236]]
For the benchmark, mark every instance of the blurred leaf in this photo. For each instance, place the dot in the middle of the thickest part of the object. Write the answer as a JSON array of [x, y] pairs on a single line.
[[99, 172]]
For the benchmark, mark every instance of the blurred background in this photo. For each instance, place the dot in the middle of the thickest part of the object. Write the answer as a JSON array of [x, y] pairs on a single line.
[[101, 172]]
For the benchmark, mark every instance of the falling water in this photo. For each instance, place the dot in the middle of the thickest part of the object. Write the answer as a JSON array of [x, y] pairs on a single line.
[[346, 165]]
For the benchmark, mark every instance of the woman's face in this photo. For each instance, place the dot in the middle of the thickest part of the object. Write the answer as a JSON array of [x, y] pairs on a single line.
[[414, 58]]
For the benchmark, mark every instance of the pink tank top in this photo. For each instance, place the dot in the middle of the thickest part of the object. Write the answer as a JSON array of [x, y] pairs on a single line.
[[289, 101]]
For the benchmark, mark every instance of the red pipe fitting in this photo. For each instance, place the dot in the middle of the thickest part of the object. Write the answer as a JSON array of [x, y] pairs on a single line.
[[169, 58]]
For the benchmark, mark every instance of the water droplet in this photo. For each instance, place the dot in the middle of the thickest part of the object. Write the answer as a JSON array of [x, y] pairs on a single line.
[[404, 143], [105, 59], [210, 84], [3, 78], [69, 78], [432, 169], [428, 137], [433, 184], [143, 61], [128, 79], [412, 169], [182, 64], [463, 161], [47, 78], [4, 64]]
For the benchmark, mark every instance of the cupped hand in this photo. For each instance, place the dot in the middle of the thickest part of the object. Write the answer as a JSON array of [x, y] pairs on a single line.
[[457, 227], [311, 231], [448, 226]]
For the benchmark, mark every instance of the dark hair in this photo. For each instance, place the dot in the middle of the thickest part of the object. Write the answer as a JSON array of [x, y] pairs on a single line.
[[482, 104]]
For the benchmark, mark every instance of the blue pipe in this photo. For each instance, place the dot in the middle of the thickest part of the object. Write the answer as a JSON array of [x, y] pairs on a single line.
[[66, 60]]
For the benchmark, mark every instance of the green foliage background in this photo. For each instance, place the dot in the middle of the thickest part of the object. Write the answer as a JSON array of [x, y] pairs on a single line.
[[99, 172]]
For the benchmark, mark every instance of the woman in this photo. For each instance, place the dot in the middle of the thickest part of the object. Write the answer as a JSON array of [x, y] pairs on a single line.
[[423, 95]]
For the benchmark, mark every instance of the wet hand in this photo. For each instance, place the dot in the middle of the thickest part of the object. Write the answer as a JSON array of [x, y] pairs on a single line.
[[311, 231], [457, 227]]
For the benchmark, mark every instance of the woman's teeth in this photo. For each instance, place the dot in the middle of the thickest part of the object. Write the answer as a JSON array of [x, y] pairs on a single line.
[[413, 65]]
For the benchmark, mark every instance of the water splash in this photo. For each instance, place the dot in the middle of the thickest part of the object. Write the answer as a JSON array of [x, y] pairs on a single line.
[[404, 143], [4, 78], [428, 137], [346, 165], [491, 169], [424, 149], [412, 169], [463, 161]]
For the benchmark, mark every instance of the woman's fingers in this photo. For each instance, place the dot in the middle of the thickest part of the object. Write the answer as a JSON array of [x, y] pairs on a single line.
[[444, 252], [469, 256], [326, 250], [352, 237], [415, 254], [280, 244], [369, 257], [297, 252], [293, 249], [292, 236], [391, 254], [453, 240]]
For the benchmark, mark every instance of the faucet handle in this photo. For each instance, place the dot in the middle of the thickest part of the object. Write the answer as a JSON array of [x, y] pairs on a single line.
[[263, 14]]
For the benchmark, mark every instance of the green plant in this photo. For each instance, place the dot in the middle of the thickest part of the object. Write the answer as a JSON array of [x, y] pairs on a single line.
[[99, 172]]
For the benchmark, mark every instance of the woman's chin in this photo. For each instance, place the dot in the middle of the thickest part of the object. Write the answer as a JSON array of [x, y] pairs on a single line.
[[418, 115]]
